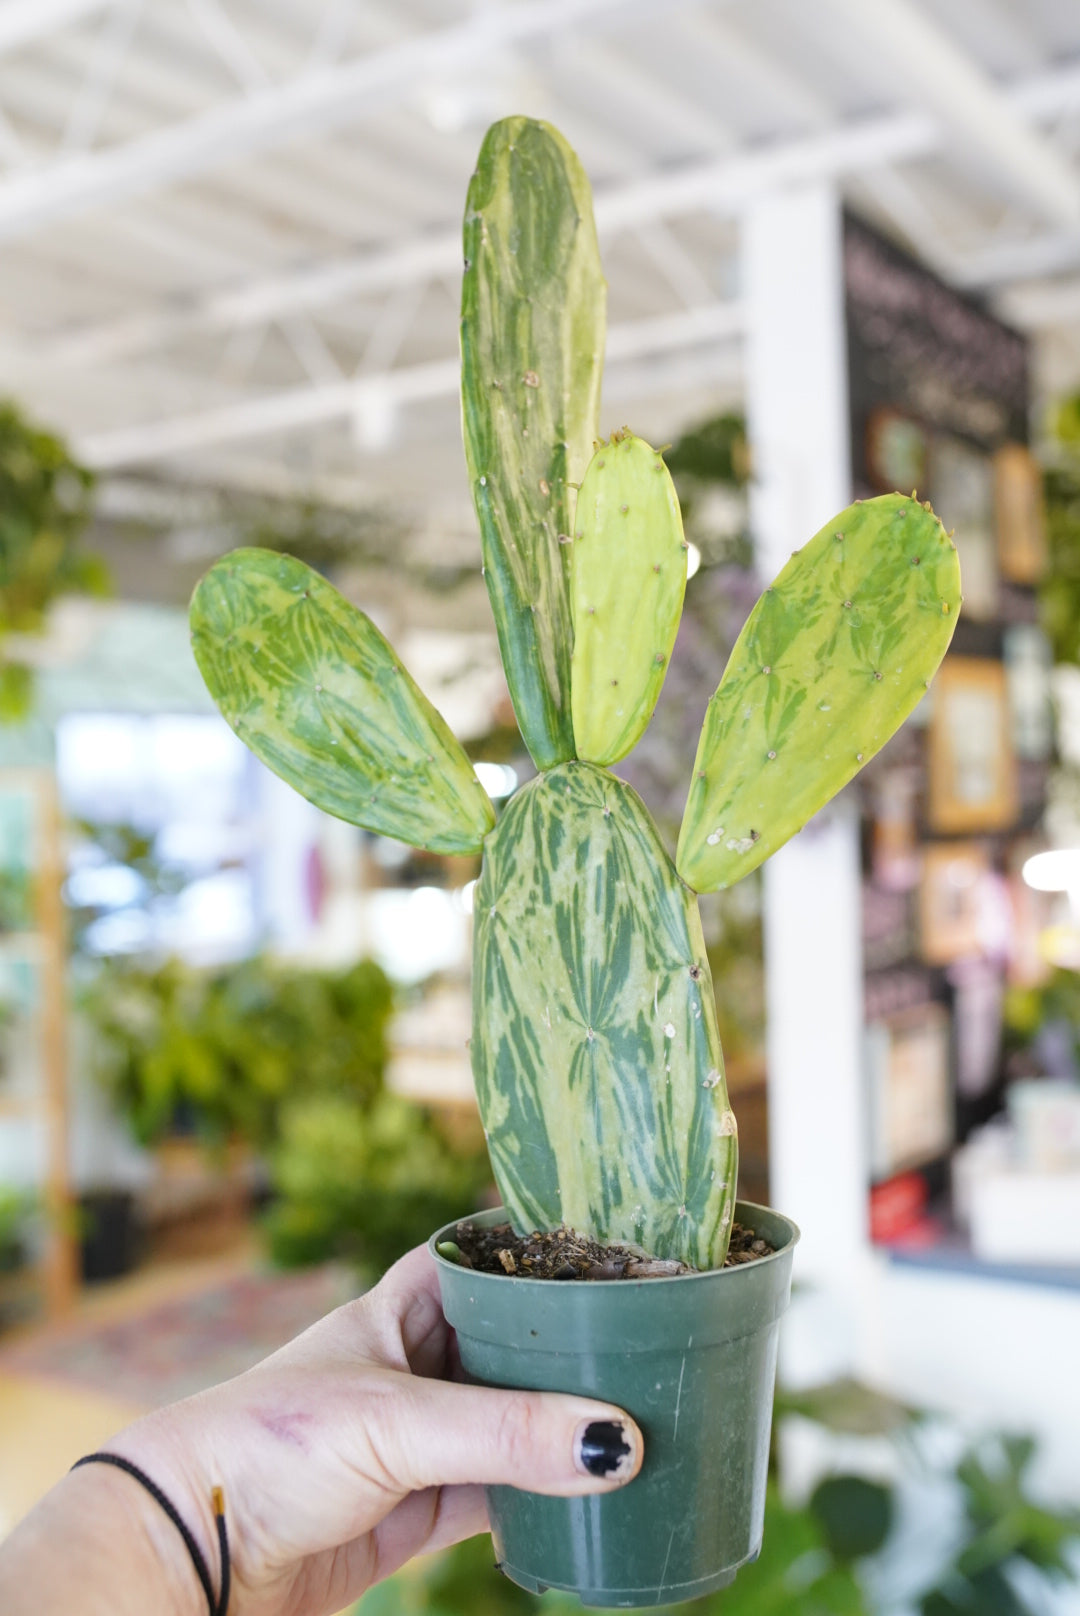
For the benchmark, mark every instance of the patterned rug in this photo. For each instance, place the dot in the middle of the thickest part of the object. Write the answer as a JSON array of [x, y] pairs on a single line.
[[175, 1348]]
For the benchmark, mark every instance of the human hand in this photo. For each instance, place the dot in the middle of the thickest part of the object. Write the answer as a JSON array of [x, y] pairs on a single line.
[[350, 1451]]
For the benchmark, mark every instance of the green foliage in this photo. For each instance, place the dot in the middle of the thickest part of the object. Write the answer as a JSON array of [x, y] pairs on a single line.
[[16, 1208], [846, 1407], [45, 505], [365, 1184], [1004, 1527], [715, 452], [228, 1048], [16, 692], [1030, 1011], [126, 845], [854, 1514], [1059, 593], [1004, 1521], [292, 1062], [16, 897]]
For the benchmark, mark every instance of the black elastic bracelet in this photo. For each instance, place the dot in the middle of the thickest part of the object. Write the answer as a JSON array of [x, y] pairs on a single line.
[[218, 1607]]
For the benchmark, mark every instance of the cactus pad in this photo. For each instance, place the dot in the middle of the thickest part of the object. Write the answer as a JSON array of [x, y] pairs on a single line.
[[627, 581], [831, 660], [309, 683], [595, 1048], [532, 341]]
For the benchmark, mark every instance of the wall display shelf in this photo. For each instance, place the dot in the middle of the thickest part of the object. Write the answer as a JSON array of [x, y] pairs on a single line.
[[939, 400]]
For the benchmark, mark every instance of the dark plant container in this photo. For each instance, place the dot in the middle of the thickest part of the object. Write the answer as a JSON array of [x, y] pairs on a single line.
[[111, 1234], [693, 1359]]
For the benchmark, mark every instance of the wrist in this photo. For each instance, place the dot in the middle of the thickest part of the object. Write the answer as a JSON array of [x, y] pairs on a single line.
[[133, 1531], [159, 1453], [93, 1545]]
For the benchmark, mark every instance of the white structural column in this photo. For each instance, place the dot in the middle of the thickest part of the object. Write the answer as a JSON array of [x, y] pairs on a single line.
[[797, 412]]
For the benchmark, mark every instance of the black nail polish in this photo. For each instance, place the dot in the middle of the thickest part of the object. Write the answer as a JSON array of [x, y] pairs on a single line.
[[604, 1448]]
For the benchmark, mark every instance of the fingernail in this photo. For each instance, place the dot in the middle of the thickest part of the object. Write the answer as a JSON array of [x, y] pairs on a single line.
[[606, 1448]]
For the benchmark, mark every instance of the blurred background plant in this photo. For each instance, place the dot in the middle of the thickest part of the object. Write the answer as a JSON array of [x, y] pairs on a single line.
[[1042, 1027], [290, 1062], [118, 866], [17, 1208], [45, 508], [219, 1052], [366, 1184]]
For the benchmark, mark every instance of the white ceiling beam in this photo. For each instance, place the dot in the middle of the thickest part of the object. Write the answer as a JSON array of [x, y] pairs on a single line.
[[1019, 260], [24, 22], [1035, 307], [308, 105], [636, 100], [935, 71], [721, 185], [318, 194], [307, 406]]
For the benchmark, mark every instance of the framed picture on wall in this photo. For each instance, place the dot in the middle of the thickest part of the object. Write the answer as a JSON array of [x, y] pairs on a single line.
[[1019, 514], [962, 491], [895, 451], [911, 1104], [1028, 663], [973, 782], [951, 891]]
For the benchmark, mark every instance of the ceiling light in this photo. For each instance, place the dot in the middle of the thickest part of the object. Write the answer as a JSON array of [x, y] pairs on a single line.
[[1057, 870]]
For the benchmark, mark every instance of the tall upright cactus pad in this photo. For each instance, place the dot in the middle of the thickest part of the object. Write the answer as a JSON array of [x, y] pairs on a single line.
[[316, 692], [627, 581], [831, 660], [532, 339], [595, 1048]]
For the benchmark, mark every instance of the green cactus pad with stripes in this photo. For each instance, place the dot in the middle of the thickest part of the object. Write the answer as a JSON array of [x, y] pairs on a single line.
[[831, 660], [316, 692], [595, 1048], [532, 340], [627, 581]]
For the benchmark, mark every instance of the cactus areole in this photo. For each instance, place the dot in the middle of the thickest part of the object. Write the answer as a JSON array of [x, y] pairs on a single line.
[[595, 1052]]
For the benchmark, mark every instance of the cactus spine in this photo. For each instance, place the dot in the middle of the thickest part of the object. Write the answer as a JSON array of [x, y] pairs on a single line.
[[598, 1067]]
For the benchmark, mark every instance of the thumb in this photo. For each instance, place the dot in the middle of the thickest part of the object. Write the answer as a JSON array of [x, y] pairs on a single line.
[[437, 1433]]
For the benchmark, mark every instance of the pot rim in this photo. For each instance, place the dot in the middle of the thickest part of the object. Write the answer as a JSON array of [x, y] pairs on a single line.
[[714, 1274]]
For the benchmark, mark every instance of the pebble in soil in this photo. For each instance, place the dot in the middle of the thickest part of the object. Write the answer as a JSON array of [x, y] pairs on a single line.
[[564, 1254]]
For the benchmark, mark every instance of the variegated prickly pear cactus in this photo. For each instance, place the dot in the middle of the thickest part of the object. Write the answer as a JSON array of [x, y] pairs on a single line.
[[595, 1051]]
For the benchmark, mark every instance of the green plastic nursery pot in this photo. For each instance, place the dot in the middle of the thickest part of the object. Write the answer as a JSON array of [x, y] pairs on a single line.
[[693, 1359]]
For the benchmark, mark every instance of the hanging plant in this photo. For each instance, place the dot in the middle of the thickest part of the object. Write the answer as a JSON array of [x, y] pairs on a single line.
[[45, 507]]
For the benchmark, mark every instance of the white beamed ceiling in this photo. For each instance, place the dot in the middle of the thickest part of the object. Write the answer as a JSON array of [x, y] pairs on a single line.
[[228, 228]]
